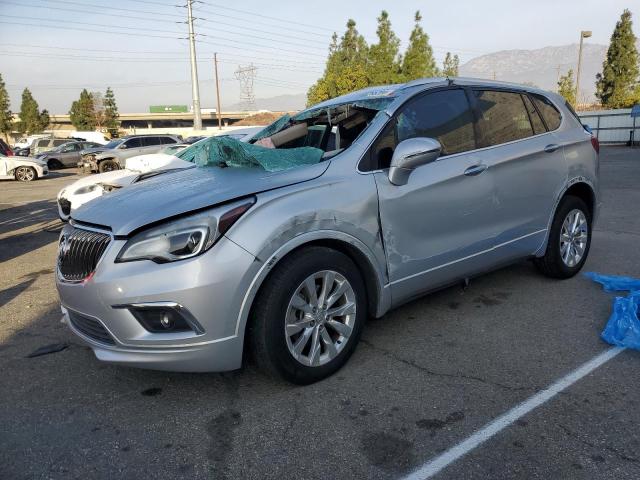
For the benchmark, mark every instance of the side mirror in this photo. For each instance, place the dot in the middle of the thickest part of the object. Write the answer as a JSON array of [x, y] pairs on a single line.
[[122, 146], [410, 154]]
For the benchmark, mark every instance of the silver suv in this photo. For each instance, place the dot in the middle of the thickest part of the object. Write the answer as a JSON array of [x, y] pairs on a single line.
[[367, 201], [112, 155]]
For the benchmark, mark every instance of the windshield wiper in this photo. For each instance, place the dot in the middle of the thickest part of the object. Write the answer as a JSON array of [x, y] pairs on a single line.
[[155, 173]]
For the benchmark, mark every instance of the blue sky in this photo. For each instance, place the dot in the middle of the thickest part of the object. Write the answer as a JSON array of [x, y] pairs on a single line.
[[57, 47]]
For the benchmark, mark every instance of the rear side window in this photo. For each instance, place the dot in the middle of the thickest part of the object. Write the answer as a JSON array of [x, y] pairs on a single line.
[[42, 143], [550, 113], [443, 115], [536, 121], [57, 143], [152, 141], [503, 117]]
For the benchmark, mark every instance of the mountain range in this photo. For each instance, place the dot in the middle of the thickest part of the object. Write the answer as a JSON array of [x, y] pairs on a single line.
[[541, 67]]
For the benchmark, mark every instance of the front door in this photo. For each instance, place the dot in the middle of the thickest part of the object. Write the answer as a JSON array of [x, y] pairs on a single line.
[[440, 226]]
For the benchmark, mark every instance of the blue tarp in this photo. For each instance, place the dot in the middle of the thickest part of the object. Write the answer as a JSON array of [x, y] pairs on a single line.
[[623, 327]]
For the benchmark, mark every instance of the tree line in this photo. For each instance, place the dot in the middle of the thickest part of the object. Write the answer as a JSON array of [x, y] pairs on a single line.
[[352, 64], [92, 110], [618, 85]]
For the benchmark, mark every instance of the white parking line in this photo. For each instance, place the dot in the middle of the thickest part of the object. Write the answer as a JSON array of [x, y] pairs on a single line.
[[435, 465]]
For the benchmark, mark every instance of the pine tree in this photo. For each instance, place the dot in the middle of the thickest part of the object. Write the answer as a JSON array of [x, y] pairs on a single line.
[[6, 118], [82, 113], [110, 110], [567, 88], [384, 64], [418, 61], [618, 85], [346, 68], [32, 120], [450, 65]]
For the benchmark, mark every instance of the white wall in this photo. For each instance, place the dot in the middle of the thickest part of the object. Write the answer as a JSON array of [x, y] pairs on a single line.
[[619, 119]]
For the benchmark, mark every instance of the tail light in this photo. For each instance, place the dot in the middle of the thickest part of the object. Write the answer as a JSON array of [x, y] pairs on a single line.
[[595, 143]]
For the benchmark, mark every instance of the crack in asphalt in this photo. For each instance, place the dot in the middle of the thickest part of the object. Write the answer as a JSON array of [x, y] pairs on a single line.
[[615, 451], [444, 374]]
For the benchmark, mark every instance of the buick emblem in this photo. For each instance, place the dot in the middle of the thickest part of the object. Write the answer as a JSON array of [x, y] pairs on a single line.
[[63, 249]]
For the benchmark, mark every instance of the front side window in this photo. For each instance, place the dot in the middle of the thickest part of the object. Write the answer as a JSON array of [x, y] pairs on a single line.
[[167, 140], [443, 115], [133, 143], [503, 117], [550, 113]]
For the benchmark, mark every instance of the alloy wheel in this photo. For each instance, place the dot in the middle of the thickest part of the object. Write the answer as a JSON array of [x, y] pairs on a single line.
[[25, 174], [320, 318], [573, 237]]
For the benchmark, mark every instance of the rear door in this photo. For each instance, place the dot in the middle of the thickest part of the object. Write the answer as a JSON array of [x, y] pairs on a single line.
[[132, 147], [152, 144], [527, 166], [440, 226]]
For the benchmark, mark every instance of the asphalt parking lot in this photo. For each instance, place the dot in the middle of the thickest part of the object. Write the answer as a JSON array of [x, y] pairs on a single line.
[[424, 378]]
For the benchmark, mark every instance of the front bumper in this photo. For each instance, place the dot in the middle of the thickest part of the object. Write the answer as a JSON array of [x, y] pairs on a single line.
[[211, 287]]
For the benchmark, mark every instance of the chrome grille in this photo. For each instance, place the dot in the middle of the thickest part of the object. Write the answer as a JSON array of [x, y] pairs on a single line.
[[79, 252], [90, 327]]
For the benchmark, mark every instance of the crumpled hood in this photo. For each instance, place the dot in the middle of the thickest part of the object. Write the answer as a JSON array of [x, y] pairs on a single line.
[[177, 192], [95, 150], [155, 161]]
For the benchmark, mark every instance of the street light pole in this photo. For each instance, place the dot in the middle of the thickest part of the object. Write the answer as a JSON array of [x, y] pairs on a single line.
[[215, 63], [195, 89], [583, 34]]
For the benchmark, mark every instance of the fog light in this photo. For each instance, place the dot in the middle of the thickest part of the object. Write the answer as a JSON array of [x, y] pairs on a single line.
[[163, 318]]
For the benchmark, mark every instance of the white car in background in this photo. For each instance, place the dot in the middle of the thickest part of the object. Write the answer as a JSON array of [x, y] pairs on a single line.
[[23, 169], [137, 168]]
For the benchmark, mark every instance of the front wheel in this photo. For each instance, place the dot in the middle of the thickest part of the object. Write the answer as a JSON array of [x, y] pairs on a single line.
[[108, 166], [569, 240], [309, 315], [25, 174]]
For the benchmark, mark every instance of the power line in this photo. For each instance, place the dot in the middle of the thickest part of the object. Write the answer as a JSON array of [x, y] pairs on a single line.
[[57, 27], [254, 14]]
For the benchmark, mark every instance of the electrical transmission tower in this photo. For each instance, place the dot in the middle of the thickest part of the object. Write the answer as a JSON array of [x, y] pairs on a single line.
[[246, 76]]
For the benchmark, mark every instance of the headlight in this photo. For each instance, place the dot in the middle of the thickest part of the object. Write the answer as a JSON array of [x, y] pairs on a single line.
[[87, 189], [183, 238]]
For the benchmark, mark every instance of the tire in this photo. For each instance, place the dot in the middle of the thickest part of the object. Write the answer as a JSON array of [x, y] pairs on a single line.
[[273, 345], [25, 174], [108, 166], [554, 263], [54, 164]]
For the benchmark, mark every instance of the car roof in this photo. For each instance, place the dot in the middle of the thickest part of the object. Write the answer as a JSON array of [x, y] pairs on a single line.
[[401, 91]]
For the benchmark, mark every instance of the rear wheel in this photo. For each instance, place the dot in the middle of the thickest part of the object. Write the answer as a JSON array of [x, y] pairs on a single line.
[[54, 164], [308, 317], [108, 166], [25, 174], [569, 240]]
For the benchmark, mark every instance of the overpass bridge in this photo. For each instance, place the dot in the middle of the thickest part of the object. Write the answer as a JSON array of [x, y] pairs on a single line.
[[130, 121]]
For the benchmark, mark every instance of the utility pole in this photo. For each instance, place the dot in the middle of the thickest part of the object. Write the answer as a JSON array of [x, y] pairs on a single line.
[[583, 34], [215, 64], [195, 88]]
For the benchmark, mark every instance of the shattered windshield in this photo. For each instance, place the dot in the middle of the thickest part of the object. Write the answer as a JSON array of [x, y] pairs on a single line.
[[113, 144], [307, 138]]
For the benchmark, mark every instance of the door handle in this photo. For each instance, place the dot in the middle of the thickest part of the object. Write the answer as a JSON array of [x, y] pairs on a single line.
[[475, 170], [551, 148]]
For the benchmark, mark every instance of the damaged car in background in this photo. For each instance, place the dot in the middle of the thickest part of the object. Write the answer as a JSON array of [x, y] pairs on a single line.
[[285, 245], [136, 169]]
